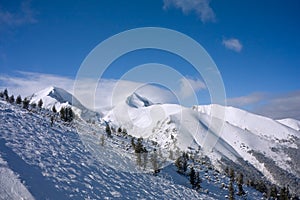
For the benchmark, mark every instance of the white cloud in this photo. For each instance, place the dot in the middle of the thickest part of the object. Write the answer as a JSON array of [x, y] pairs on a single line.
[[107, 94], [24, 15], [189, 87], [282, 106], [246, 100], [232, 44], [200, 7], [27, 83], [285, 105]]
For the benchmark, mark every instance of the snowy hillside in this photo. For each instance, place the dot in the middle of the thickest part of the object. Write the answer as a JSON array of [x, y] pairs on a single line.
[[57, 97], [292, 123], [53, 163], [99, 161], [264, 145]]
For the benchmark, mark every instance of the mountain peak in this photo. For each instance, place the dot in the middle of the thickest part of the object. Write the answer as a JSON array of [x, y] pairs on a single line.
[[58, 97], [135, 100]]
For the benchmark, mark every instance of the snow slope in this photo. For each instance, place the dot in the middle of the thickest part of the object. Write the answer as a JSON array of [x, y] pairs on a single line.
[[53, 163], [54, 96], [11, 186], [267, 146], [292, 123]]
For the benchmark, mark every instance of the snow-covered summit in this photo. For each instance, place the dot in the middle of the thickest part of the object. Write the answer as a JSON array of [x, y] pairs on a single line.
[[58, 97], [135, 100]]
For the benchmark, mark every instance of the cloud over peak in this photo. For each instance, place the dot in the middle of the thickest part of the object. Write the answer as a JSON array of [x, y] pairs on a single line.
[[200, 7]]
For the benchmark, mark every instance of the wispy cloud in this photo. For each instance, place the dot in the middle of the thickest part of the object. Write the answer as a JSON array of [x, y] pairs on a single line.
[[233, 44], [200, 7], [282, 106], [189, 87], [246, 100], [275, 106], [108, 93], [24, 15]]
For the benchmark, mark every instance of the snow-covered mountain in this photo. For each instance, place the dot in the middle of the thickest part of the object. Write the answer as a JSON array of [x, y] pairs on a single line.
[[256, 144], [260, 147], [58, 97], [292, 123], [43, 161]]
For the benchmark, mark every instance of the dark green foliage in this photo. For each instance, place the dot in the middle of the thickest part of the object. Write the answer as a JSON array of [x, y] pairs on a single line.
[[40, 103], [5, 95], [25, 103], [240, 183], [11, 99], [231, 190], [108, 130], [195, 179], [54, 109], [181, 163], [66, 114], [33, 105], [139, 148], [18, 100], [192, 176], [231, 174], [273, 192], [132, 143], [284, 194], [154, 161], [119, 130], [261, 186]]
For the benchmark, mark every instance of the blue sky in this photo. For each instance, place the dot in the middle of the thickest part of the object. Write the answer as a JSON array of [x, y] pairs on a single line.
[[255, 44]]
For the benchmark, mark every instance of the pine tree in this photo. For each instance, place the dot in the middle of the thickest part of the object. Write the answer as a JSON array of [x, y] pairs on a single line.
[[108, 130], [197, 181], [240, 183], [11, 99], [284, 194], [63, 113], [192, 177], [119, 130], [132, 143], [1, 95], [139, 146], [5, 94], [155, 162], [18, 100], [231, 174], [231, 190], [33, 105], [69, 114], [273, 192], [54, 109], [25, 103], [66, 114], [40, 103], [181, 163]]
